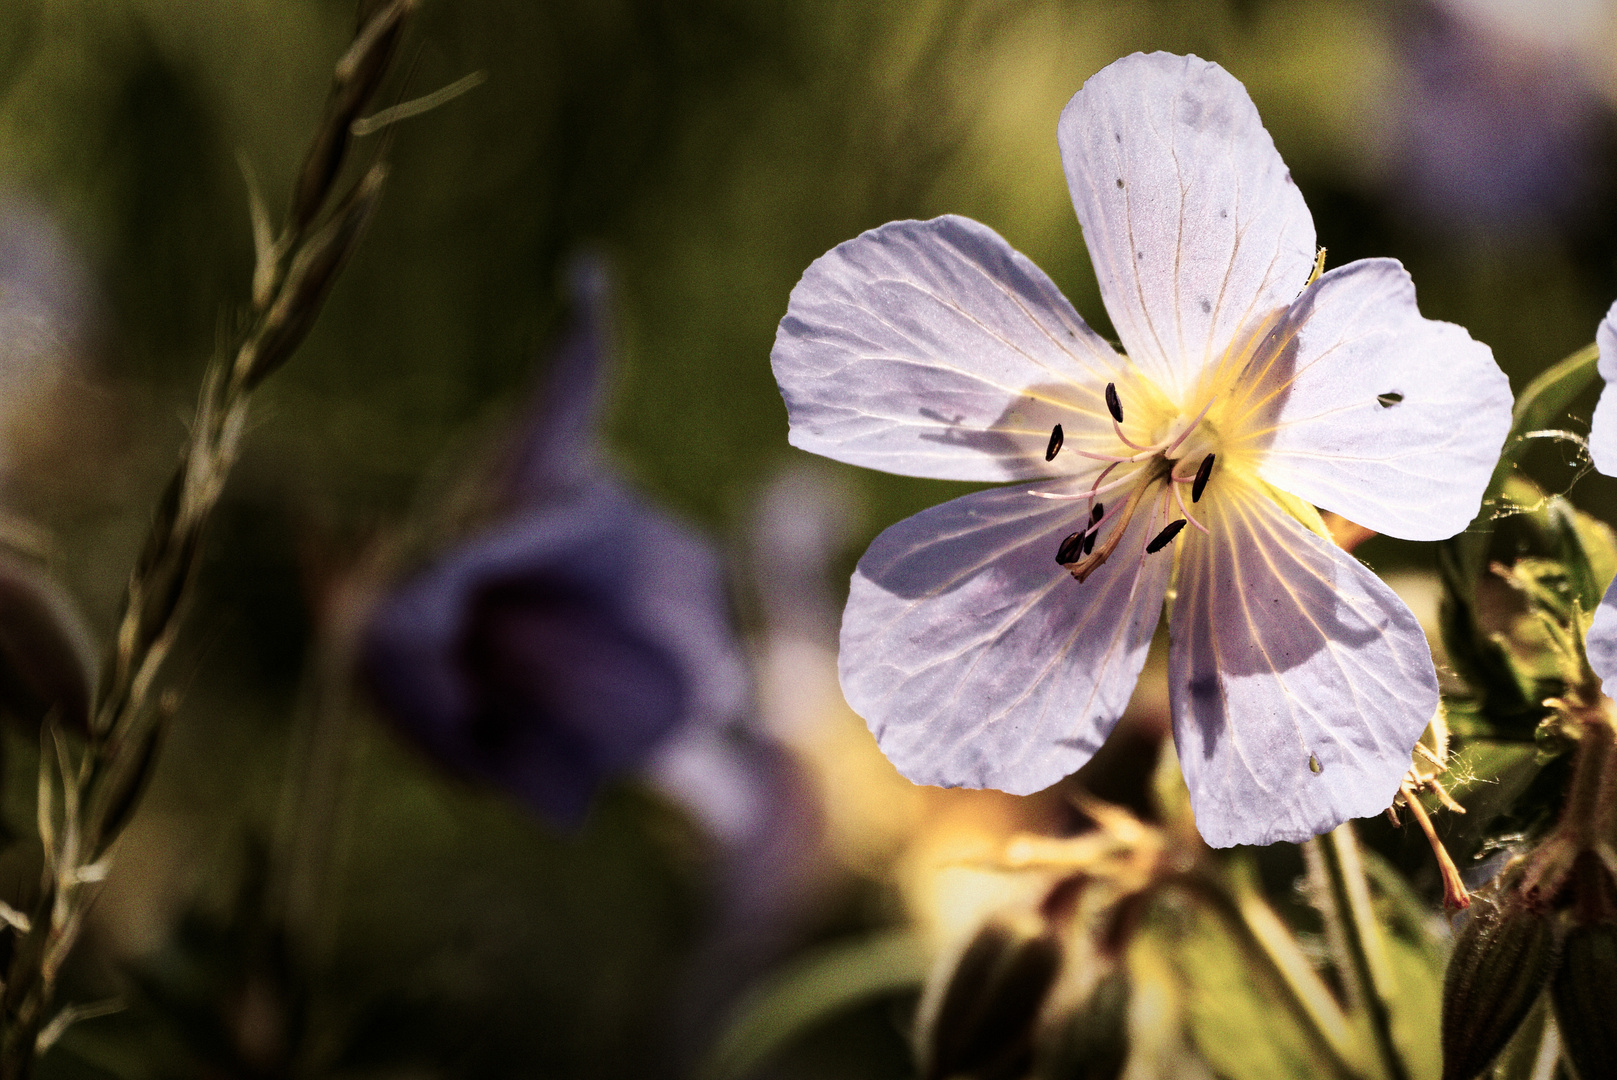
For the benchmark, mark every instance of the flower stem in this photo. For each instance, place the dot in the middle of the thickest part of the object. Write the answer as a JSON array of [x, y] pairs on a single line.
[[1335, 858]]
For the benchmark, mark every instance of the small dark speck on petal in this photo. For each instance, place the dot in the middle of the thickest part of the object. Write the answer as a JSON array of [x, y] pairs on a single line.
[[1140, 255], [1118, 135], [1119, 181], [1207, 305], [1223, 213], [1390, 399], [1289, 180]]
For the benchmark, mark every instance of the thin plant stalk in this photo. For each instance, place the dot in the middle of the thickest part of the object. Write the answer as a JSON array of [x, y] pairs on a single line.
[[101, 783], [1334, 858]]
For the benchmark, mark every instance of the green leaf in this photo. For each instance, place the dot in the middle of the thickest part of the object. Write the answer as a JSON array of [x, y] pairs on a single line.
[[1502, 693], [1539, 406], [1486, 777], [1239, 1030], [814, 988]]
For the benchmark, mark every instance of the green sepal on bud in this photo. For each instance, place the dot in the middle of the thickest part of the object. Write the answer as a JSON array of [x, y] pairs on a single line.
[[1091, 1043], [1584, 993], [984, 1024], [1502, 959]]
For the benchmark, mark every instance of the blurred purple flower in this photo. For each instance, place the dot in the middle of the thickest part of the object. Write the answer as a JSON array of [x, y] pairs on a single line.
[[564, 644], [1497, 127]]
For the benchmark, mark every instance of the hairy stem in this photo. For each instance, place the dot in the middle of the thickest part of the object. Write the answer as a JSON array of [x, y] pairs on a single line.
[[1335, 857]]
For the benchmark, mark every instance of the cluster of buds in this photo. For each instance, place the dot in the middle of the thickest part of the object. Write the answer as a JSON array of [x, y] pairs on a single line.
[[1549, 925], [1043, 990]]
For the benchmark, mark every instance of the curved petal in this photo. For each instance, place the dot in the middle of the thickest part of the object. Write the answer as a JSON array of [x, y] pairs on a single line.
[[1193, 222], [1287, 653], [1603, 428], [1601, 642], [932, 348], [1390, 419], [559, 648], [977, 660]]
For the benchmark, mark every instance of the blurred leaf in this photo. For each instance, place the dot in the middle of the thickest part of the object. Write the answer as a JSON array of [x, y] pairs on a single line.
[[816, 987], [1519, 1059], [1238, 1030]]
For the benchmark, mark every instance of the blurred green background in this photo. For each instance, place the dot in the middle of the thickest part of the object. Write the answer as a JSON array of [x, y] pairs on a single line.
[[710, 149]]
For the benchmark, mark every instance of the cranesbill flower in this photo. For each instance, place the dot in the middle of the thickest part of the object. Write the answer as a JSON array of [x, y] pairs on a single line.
[[577, 635], [1601, 644], [994, 641]]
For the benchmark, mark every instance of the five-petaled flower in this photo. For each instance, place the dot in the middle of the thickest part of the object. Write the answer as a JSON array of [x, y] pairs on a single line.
[[1601, 645], [994, 641]]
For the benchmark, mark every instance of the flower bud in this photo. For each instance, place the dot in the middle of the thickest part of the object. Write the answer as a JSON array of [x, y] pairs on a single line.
[[1502, 959], [1092, 1043], [984, 1024], [1584, 993]]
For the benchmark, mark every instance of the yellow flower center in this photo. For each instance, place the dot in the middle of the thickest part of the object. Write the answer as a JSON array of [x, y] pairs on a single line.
[[1165, 454]]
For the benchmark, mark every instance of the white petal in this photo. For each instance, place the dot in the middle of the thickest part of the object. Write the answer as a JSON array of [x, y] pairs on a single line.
[[977, 660], [1414, 467], [1193, 222], [1603, 428], [1285, 648], [1601, 642], [932, 348]]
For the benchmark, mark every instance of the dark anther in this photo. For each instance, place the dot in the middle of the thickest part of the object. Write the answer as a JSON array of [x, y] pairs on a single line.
[[1113, 403], [1165, 537], [1054, 448], [1389, 400], [1070, 548], [1089, 541], [1097, 513], [1203, 472]]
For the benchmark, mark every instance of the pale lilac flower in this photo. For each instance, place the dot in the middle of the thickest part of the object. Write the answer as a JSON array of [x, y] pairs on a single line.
[[993, 641], [1601, 642]]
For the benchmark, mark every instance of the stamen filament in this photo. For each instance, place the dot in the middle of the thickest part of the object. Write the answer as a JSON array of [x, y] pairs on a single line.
[[1062, 496], [1180, 495], [1185, 434], [1104, 473], [1129, 442], [1151, 525], [1113, 458]]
